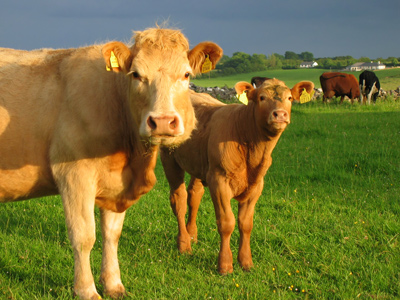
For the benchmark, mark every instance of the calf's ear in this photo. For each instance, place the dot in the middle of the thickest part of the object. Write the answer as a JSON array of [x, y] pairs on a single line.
[[205, 52], [244, 87], [117, 56], [299, 88]]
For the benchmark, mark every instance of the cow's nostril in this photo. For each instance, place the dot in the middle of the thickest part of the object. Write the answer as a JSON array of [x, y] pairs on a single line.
[[152, 124], [174, 123]]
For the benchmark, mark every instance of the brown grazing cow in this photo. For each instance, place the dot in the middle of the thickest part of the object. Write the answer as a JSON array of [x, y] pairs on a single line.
[[297, 90], [339, 85], [68, 126], [230, 151]]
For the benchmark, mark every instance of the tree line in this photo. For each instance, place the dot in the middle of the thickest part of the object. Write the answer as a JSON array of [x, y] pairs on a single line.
[[241, 62]]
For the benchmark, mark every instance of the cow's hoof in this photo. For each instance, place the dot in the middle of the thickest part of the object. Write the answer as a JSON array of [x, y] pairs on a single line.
[[84, 296], [117, 292]]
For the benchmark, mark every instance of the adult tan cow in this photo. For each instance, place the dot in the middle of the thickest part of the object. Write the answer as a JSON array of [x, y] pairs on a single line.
[[68, 126], [230, 151]]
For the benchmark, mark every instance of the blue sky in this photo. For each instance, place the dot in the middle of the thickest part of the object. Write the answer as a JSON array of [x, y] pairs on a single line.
[[325, 28]]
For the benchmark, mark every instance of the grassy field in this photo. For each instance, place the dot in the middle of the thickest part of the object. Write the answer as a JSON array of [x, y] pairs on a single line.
[[326, 226], [388, 78]]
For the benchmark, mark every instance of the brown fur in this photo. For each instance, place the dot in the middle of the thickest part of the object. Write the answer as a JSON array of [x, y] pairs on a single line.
[[296, 90], [68, 126], [339, 85], [230, 151]]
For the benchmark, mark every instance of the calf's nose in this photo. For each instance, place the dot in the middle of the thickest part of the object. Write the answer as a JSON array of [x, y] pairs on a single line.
[[280, 116], [164, 125]]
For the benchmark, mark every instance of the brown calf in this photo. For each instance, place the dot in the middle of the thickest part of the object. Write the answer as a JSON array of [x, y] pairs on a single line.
[[230, 151], [297, 90], [68, 126]]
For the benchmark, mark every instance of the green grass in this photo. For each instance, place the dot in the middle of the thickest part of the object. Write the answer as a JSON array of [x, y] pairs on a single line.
[[388, 78], [326, 226]]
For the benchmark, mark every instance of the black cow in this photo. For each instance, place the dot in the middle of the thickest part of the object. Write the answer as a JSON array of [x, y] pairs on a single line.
[[258, 81], [369, 86]]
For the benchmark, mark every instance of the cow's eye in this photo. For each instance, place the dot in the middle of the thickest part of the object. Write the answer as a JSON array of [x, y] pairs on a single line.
[[187, 74], [135, 75], [262, 98]]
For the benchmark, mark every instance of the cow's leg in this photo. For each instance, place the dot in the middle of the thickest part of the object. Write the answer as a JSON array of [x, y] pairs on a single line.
[[178, 198], [372, 90], [111, 228], [78, 193], [195, 193], [221, 195], [245, 222]]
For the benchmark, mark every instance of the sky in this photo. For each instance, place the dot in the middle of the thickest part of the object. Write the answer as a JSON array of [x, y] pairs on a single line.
[[359, 28]]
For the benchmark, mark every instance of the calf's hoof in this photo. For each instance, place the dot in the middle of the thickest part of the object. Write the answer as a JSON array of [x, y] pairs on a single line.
[[225, 270], [184, 245]]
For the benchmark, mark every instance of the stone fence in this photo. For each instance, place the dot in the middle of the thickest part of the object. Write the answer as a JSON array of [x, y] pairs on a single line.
[[228, 95]]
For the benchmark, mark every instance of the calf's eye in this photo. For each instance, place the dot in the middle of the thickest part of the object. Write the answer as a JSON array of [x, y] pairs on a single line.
[[262, 98], [187, 74], [135, 74]]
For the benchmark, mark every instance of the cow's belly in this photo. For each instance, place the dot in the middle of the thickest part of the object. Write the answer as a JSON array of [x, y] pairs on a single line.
[[25, 183]]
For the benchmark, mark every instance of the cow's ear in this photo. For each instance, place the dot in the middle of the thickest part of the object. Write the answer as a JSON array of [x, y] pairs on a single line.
[[299, 87], [204, 57], [117, 56]]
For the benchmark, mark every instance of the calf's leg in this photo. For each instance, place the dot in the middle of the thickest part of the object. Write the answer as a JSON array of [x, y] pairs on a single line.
[[195, 193], [111, 228], [178, 198], [245, 221], [221, 195]]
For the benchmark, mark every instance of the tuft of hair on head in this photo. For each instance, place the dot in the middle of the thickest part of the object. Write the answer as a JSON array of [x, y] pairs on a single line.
[[161, 37]]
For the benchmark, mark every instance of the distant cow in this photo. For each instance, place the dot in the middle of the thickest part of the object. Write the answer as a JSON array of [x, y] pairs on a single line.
[[339, 85], [257, 81], [297, 90], [369, 86], [230, 151], [68, 126]]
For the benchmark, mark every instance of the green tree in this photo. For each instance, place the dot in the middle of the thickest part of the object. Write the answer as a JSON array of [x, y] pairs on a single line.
[[306, 56], [291, 55]]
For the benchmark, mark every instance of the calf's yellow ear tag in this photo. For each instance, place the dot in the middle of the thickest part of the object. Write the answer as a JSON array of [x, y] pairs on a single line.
[[113, 61], [306, 97], [243, 98], [207, 65]]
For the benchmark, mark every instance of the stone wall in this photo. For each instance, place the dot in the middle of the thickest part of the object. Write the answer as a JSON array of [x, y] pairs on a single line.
[[228, 95]]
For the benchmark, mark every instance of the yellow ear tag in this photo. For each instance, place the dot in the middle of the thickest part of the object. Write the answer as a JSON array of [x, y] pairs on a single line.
[[114, 60], [207, 65], [306, 97], [243, 98]]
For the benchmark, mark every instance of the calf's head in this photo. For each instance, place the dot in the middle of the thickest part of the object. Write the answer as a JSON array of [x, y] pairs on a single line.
[[271, 103], [158, 67]]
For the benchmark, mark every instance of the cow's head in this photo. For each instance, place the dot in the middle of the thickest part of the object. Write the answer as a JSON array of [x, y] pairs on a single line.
[[159, 66], [272, 104]]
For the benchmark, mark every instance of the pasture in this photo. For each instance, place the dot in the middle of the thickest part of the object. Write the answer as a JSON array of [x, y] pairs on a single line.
[[326, 226], [389, 78]]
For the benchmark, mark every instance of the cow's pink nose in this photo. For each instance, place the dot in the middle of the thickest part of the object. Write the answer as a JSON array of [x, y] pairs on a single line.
[[164, 125], [280, 115]]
